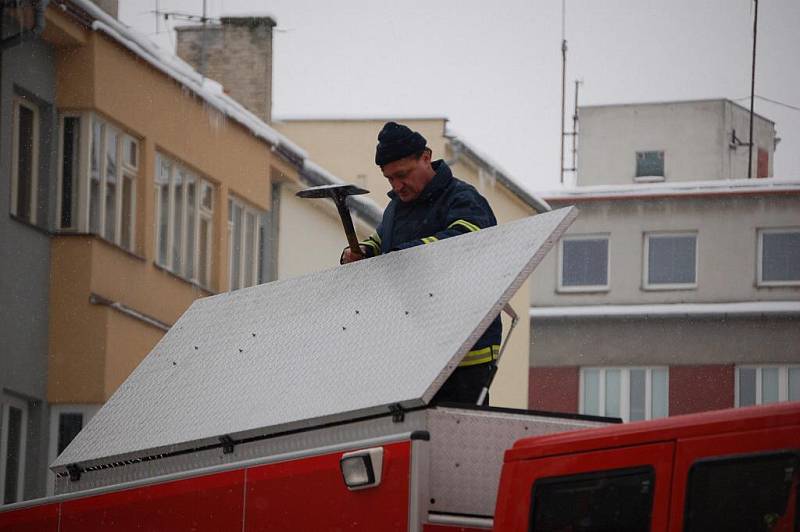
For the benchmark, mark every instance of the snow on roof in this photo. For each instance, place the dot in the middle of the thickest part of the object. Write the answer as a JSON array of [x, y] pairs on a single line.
[[674, 102], [675, 310], [675, 188], [533, 200], [213, 94], [168, 63]]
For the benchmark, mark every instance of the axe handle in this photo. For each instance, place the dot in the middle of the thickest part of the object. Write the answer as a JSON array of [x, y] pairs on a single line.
[[347, 223]]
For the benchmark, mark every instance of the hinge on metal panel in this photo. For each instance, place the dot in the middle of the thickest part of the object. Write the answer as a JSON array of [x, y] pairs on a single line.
[[74, 472], [398, 414], [227, 444]]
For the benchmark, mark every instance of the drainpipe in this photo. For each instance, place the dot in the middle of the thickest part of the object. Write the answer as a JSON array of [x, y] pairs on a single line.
[[39, 7]]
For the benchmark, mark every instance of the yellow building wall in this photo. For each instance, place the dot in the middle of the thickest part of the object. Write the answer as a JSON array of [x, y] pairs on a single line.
[[92, 347], [76, 350], [347, 148], [127, 343]]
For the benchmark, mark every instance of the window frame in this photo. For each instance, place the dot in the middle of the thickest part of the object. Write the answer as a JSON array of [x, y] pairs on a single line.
[[6, 402], [650, 178], [21, 101], [201, 212], [726, 459], [560, 266], [80, 220], [604, 474], [247, 208], [83, 186], [88, 411], [646, 284], [783, 382], [760, 282], [625, 390]]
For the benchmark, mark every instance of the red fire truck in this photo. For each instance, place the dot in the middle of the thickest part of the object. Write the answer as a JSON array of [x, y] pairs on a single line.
[[305, 405], [725, 470]]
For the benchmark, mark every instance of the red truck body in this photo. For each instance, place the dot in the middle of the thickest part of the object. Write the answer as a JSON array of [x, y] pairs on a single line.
[[734, 469], [563, 481]]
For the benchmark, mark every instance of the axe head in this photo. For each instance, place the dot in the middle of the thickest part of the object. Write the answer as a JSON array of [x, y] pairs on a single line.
[[335, 192]]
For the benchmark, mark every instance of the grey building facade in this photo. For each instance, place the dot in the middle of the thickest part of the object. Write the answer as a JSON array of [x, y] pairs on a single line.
[[673, 292], [28, 135]]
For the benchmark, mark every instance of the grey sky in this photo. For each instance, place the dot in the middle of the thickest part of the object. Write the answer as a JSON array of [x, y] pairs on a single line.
[[494, 68]]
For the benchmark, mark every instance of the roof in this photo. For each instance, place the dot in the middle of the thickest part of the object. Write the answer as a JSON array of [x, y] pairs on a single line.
[[659, 430], [675, 310], [459, 145], [532, 200], [212, 93], [356, 117], [260, 361], [770, 185], [675, 102]]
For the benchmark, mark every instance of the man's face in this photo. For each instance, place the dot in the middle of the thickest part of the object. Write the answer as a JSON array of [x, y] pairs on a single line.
[[409, 176]]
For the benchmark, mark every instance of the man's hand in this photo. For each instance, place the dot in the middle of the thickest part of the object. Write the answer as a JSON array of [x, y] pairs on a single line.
[[348, 255]]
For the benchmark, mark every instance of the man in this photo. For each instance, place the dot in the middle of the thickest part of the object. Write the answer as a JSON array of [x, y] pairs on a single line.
[[429, 204]]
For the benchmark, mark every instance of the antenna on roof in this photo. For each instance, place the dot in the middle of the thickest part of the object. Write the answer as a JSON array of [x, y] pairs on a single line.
[[573, 134], [204, 19], [752, 93], [563, 83]]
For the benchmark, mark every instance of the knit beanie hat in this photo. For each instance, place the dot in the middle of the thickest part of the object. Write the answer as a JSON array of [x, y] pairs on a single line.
[[396, 141]]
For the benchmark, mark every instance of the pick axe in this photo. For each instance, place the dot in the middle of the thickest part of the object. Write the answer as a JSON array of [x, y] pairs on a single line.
[[339, 193]]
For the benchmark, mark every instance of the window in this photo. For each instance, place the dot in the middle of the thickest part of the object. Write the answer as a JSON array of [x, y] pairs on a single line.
[[649, 164], [670, 261], [13, 436], [743, 493], [244, 234], [607, 500], [69, 184], [779, 257], [109, 207], [24, 159], [66, 421], [629, 393], [184, 211], [761, 385], [584, 263]]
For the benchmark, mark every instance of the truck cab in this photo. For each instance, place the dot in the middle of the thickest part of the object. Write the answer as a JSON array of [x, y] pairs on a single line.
[[734, 470]]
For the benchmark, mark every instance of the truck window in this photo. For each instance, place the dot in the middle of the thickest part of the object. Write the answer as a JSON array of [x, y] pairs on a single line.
[[755, 493], [619, 500]]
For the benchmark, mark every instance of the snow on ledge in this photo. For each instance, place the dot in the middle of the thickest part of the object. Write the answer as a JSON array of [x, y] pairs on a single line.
[[677, 310], [174, 67], [675, 188]]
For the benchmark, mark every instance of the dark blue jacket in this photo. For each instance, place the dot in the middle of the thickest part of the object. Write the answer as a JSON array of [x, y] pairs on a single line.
[[447, 207]]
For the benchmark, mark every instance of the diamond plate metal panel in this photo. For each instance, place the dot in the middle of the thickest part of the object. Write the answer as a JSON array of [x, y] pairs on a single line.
[[334, 345], [467, 449]]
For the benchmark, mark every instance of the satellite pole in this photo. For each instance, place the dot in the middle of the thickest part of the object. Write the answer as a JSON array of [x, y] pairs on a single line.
[[752, 94], [563, 84]]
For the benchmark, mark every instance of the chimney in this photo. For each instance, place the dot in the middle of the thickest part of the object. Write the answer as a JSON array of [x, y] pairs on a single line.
[[236, 52], [109, 6]]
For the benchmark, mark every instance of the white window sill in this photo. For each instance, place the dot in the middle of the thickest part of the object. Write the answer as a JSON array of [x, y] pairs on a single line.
[[649, 179], [663, 287], [581, 289], [772, 284]]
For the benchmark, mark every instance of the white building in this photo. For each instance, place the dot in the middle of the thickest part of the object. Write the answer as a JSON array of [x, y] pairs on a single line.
[[677, 289], [671, 141]]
